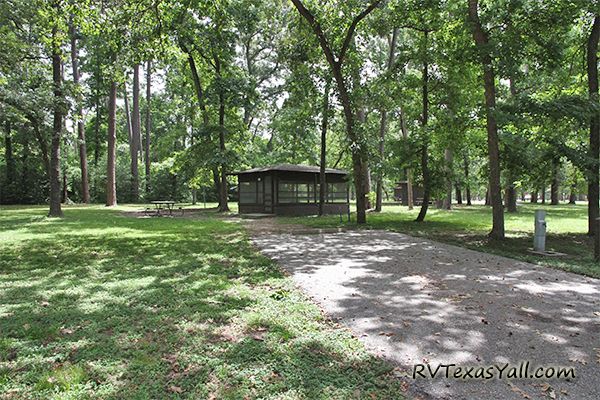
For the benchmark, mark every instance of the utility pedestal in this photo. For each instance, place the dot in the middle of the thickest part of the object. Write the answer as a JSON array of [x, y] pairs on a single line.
[[539, 240]]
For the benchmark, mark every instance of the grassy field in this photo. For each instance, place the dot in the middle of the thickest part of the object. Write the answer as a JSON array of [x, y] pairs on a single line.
[[469, 226], [102, 305]]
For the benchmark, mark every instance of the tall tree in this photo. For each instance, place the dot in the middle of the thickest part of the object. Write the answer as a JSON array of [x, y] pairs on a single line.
[[482, 42], [111, 150], [383, 125], [425, 139], [555, 181], [336, 63], [467, 179], [135, 135], [323, 163], [148, 123], [11, 170], [594, 147], [407, 171], [81, 143], [448, 160], [224, 192], [58, 114]]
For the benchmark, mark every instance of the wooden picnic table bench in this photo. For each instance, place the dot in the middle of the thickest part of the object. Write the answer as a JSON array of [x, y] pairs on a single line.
[[161, 206]]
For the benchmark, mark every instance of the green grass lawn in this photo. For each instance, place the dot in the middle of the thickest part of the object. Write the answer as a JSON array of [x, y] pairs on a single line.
[[99, 305], [469, 226]]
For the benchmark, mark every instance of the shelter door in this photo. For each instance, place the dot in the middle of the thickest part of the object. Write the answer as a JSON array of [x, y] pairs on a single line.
[[268, 191]]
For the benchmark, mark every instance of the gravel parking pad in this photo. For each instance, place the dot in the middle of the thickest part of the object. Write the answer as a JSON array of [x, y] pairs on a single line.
[[414, 301]]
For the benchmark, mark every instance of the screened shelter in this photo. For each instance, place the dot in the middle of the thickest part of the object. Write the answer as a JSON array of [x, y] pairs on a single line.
[[288, 189]]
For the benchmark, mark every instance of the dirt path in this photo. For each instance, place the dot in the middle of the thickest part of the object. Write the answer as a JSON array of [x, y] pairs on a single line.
[[416, 301]]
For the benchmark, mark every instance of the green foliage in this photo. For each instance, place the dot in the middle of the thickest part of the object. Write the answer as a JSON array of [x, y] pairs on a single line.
[[263, 62]]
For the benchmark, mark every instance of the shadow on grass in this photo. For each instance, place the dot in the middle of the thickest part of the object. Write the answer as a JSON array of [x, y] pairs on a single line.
[[105, 306]]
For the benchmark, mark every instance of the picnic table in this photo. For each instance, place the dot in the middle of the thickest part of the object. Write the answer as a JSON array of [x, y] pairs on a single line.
[[163, 205]]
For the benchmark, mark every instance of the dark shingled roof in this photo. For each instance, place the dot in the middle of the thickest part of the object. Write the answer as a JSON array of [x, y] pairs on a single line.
[[291, 168]]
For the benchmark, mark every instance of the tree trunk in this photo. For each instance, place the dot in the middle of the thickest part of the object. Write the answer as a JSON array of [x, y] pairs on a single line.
[[148, 123], [11, 166], [25, 174], [424, 146], [459, 199], [55, 192], [127, 116], [361, 119], [594, 150], [511, 198], [511, 194], [324, 123], [111, 150], [358, 146], [554, 184], [217, 183], [203, 111], [383, 126], [97, 120], [534, 196], [223, 206], [8, 193], [544, 195], [448, 158], [358, 150], [135, 135], [482, 42], [407, 171], [379, 183], [467, 182], [83, 164], [64, 197]]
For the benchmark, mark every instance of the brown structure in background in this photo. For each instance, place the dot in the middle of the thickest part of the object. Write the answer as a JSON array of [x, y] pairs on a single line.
[[401, 193], [287, 189]]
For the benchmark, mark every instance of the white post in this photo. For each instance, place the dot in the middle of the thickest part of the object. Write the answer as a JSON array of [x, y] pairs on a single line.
[[539, 240]]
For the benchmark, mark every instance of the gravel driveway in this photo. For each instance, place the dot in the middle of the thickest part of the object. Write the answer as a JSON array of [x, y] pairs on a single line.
[[415, 301]]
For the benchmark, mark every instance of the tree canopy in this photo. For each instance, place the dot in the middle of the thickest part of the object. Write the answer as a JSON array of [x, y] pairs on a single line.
[[464, 100]]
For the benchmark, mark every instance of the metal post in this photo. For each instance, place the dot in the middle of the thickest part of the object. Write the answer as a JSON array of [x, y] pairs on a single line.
[[539, 240]]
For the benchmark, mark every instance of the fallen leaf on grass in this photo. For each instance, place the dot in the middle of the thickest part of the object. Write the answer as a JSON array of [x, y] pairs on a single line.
[[175, 389], [404, 386]]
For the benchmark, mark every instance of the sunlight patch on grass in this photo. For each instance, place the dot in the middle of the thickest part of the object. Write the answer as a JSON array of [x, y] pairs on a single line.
[[99, 305]]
